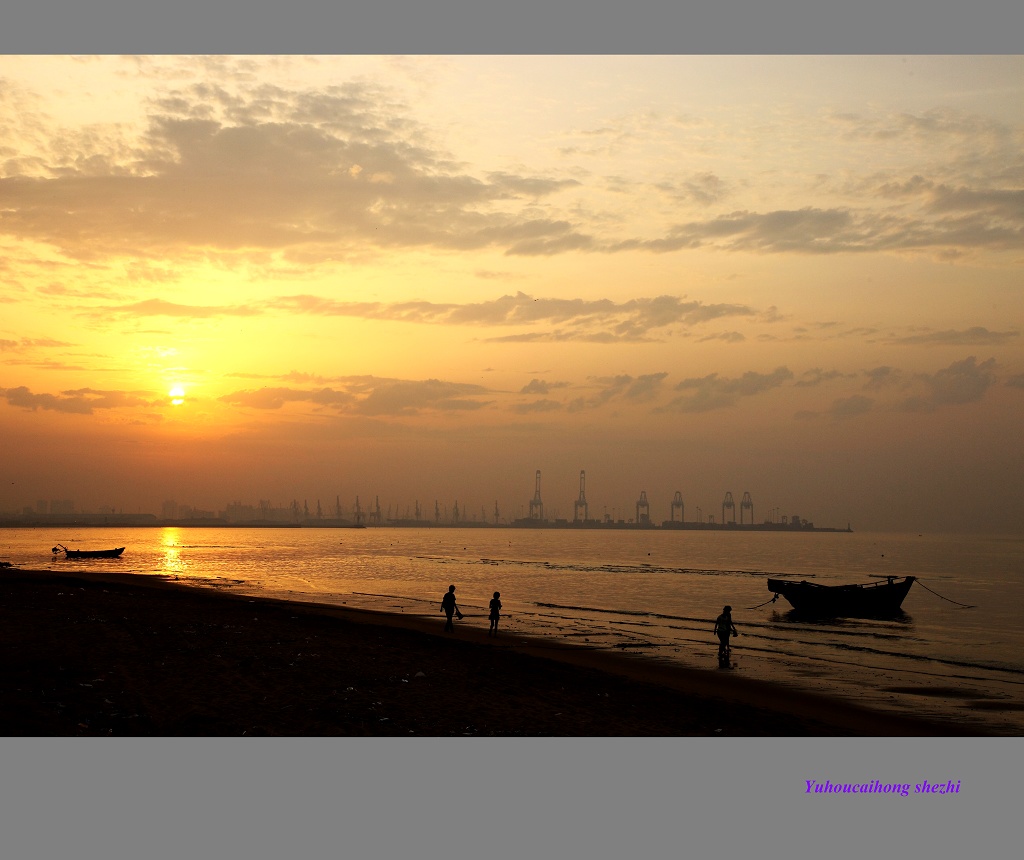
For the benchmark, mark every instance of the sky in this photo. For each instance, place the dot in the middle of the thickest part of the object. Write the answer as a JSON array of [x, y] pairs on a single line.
[[420, 279]]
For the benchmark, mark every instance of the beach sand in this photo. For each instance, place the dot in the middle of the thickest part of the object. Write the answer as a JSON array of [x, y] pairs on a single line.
[[106, 654]]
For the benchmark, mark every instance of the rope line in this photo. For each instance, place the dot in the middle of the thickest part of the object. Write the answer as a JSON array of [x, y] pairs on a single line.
[[776, 597], [926, 588]]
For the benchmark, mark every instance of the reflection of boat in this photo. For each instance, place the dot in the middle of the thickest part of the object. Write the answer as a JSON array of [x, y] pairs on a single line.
[[88, 553], [869, 598]]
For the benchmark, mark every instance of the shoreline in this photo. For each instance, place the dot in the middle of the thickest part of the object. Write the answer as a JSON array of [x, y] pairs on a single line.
[[89, 653]]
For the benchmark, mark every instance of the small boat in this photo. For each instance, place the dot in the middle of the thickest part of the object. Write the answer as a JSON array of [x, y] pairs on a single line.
[[864, 599], [88, 553]]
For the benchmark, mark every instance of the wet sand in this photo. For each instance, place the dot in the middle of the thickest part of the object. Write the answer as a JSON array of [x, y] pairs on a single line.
[[86, 653]]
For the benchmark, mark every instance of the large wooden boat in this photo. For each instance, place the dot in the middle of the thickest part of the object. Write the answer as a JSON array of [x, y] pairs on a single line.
[[88, 553], [864, 599]]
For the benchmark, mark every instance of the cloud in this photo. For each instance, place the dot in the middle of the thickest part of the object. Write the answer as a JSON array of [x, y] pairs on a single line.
[[645, 387], [962, 382], [601, 320], [540, 386], [942, 199], [537, 406], [400, 397], [1016, 381], [267, 168], [532, 186], [635, 389], [715, 392], [160, 307], [817, 376], [975, 336], [275, 398], [725, 336], [848, 407], [368, 396], [79, 402], [703, 188], [882, 377], [591, 320], [27, 343], [804, 230], [812, 230], [236, 164]]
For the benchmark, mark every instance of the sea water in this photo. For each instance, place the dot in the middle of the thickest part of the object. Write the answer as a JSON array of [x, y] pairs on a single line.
[[956, 652]]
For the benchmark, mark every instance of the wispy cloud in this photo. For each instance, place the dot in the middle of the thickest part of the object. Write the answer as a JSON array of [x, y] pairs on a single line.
[[882, 377], [82, 401], [962, 382], [974, 336], [849, 407], [25, 344], [814, 230], [601, 320], [540, 386], [817, 376], [163, 308], [369, 396], [714, 392], [702, 188], [544, 405], [622, 387]]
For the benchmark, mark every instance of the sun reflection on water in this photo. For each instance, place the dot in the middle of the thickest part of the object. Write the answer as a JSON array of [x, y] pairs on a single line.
[[170, 543]]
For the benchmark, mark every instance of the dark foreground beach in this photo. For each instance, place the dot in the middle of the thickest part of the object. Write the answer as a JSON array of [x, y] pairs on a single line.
[[105, 654]]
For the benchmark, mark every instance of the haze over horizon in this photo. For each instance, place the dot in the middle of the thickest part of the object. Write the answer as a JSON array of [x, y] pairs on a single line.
[[427, 277]]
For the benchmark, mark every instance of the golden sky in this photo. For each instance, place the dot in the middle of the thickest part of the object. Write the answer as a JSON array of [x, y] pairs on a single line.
[[424, 278]]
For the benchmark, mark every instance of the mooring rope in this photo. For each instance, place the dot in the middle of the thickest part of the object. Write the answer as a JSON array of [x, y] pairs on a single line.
[[926, 588], [776, 597]]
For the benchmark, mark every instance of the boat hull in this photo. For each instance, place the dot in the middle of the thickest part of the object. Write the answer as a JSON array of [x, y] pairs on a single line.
[[877, 598], [94, 553]]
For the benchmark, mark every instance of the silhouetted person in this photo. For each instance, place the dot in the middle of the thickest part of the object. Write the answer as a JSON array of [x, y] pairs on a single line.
[[495, 613], [724, 628], [449, 608]]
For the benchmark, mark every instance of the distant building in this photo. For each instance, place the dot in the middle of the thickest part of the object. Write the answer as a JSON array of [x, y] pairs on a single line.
[[236, 513], [189, 513]]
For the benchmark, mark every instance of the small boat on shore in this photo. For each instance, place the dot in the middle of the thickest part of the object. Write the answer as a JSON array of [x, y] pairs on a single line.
[[88, 553], [864, 599]]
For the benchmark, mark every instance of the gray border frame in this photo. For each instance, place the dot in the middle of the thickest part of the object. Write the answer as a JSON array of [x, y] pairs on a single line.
[[524, 27], [454, 798]]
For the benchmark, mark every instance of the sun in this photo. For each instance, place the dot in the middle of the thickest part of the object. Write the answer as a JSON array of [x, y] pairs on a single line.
[[177, 395]]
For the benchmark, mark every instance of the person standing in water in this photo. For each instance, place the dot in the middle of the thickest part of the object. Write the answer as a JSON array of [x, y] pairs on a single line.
[[495, 613], [449, 608], [724, 628]]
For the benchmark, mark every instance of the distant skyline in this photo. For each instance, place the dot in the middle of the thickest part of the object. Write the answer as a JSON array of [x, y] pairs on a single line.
[[427, 277], [556, 503]]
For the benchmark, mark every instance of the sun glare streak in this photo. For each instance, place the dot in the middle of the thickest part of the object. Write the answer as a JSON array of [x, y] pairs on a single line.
[[172, 561]]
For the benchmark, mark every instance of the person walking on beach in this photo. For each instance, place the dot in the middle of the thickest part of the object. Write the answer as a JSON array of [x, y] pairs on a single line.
[[495, 613], [724, 628], [450, 608]]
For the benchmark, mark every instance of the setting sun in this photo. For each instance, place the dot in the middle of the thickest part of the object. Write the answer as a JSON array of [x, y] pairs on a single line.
[[177, 395]]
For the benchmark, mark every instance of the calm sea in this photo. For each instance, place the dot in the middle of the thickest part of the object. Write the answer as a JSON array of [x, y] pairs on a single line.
[[650, 593]]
